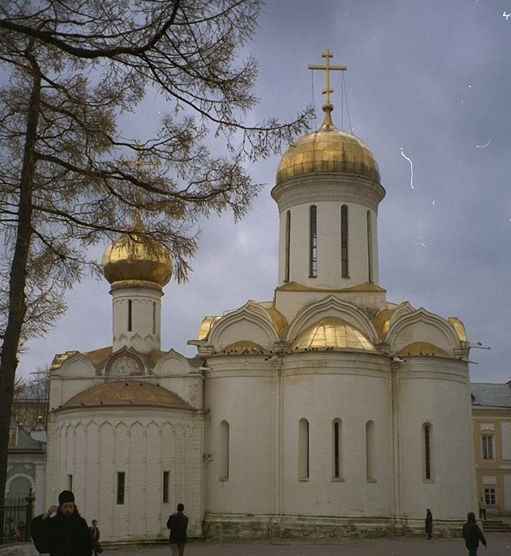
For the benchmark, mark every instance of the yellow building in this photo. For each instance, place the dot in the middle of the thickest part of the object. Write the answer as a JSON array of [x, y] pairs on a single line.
[[491, 415]]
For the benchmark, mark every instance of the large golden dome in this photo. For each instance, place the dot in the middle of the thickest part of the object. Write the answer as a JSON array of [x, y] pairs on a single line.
[[330, 151], [133, 257]]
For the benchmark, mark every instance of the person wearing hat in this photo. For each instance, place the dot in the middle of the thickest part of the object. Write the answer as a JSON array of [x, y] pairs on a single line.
[[62, 531]]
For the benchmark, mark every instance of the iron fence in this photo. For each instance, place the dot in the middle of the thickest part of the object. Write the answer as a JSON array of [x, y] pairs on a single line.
[[15, 519]]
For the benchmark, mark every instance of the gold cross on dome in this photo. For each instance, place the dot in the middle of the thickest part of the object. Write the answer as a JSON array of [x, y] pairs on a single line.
[[327, 67]]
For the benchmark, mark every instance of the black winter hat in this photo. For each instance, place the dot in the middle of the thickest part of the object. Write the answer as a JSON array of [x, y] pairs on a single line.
[[66, 496]]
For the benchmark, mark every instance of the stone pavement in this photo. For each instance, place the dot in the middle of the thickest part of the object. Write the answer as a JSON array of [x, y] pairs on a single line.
[[499, 545]]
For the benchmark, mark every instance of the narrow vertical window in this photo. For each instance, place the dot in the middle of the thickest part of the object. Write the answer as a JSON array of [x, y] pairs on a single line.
[[427, 451], [224, 450], [154, 317], [313, 242], [70, 482], [487, 444], [165, 487], [336, 441], [130, 315], [303, 450], [121, 487], [287, 247], [370, 451], [344, 242], [370, 246]]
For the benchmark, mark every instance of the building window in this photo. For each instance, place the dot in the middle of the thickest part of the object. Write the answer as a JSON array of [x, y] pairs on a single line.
[[427, 451], [121, 487], [487, 443], [313, 242], [165, 487], [370, 451], [303, 450], [224, 450], [337, 447], [130, 315], [287, 247], [154, 317], [490, 496], [70, 482], [344, 242], [370, 246]]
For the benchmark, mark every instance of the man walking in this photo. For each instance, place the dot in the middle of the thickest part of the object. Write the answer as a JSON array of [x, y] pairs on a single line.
[[178, 524], [472, 535], [429, 524], [62, 531]]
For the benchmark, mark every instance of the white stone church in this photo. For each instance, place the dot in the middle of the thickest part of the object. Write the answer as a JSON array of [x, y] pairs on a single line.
[[325, 411]]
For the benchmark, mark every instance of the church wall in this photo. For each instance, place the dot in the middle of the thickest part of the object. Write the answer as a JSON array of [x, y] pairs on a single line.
[[435, 391], [63, 389], [144, 335], [354, 388], [142, 443], [242, 330], [422, 332], [240, 390], [188, 387], [290, 303], [329, 245]]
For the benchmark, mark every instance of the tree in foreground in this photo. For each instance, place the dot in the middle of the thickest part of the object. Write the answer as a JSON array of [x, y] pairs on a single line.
[[69, 177]]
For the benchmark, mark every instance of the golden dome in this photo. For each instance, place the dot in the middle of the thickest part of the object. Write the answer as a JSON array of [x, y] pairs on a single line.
[[331, 333], [328, 150], [133, 257]]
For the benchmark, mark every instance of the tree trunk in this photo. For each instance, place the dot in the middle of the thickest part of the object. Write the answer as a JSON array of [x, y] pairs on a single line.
[[17, 282]]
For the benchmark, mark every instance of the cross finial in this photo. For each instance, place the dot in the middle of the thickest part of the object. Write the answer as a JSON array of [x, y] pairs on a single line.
[[327, 67]]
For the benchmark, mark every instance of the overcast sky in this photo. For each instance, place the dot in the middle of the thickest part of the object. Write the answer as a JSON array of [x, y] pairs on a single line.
[[433, 77]]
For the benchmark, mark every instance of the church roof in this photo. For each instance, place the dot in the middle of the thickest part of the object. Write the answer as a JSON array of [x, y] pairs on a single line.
[[331, 333], [485, 394], [99, 358], [127, 394]]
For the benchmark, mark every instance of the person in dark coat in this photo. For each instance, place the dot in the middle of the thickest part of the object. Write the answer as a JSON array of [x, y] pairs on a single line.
[[95, 535], [178, 524], [429, 524], [472, 535], [64, 534]]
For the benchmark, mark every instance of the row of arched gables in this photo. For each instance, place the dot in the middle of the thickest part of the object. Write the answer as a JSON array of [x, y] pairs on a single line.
[[336, 449], [254, 321]]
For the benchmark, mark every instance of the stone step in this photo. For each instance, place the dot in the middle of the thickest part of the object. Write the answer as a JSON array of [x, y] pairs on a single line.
[[496, 526]]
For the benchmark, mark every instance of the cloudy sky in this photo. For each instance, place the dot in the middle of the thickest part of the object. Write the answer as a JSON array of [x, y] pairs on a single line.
[[433, 77]]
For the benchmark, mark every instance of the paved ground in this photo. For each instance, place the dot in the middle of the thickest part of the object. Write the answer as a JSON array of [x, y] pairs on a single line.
[[499, 545]]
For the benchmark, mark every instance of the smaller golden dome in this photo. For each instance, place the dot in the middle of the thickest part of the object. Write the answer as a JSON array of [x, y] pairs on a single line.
[[134, 257]]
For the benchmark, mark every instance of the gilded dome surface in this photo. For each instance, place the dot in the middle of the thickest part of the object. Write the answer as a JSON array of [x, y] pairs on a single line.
[[328, 150], [133, 257], [331, 333]]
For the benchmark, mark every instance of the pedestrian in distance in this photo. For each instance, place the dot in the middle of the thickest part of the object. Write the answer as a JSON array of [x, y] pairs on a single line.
[[94, 536], [62, 531], [178, 525], [473, 535], [429, 524], [482, 509]]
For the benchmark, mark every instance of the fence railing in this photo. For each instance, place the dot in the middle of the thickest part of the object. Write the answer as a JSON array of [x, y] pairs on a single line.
[[15, 518]]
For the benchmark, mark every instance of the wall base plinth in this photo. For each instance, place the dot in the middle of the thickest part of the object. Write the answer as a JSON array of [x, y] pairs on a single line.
[[239, 527]]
